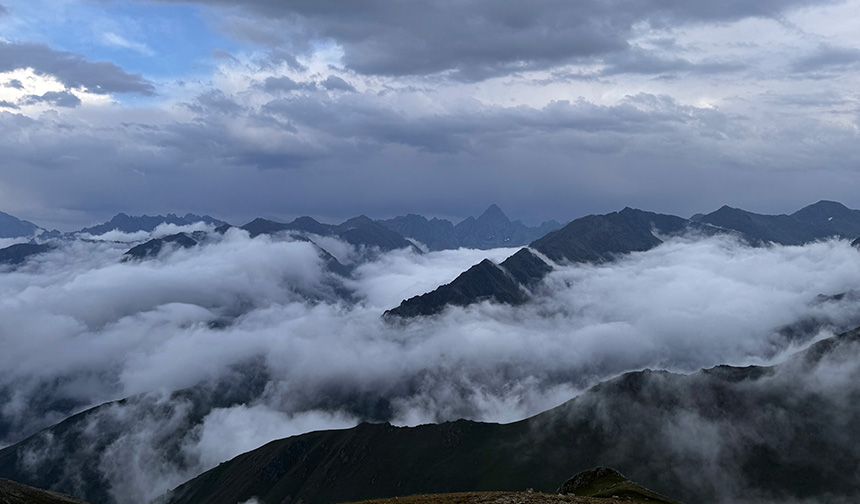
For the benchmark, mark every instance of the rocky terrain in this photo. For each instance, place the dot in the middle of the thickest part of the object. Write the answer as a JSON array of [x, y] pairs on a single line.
[[16, 493]]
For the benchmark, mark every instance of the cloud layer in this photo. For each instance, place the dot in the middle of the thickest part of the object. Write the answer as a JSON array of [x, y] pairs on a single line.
[[550, 111], [81, 328]]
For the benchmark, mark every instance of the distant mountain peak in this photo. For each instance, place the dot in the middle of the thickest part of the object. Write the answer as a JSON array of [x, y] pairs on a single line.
[[828, 203], [13, 227], [493, 212], [727, 208], [361, 220], [823, 208]]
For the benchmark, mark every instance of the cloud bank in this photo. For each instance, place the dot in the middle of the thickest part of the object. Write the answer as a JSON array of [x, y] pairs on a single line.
[[259, 324]]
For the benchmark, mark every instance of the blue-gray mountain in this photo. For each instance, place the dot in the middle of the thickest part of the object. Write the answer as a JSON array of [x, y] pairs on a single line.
[[13, 227], [132, 224], [492, 229]]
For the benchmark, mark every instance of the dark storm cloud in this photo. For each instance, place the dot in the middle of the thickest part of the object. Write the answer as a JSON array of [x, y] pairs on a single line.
[[214, 102], [234, 161], [470, 130], [277, 56], [335, 83], [284, 84], [639, 61], [827, 58], [813, 99], [477, 39], [58, 98], [73, 70]]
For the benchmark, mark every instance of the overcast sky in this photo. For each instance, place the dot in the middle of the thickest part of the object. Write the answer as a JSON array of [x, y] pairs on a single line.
[[551, 109]]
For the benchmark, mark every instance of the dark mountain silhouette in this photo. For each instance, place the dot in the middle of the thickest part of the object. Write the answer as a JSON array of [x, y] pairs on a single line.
[[492, 229], [830, 219], [359, 231], [781, 229], [152, 247], [598, 238], [260, 226], [818, 221], [364, 232], [20, 252], [508, 282], [725, 434], [16, 493], [483, 281], [594, 238], [13, 227], [148, 223]]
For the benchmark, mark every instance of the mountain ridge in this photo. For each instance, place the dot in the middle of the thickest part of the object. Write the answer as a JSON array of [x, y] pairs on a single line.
[[132, 224], [593, 238], [602, 238], [617, 423]]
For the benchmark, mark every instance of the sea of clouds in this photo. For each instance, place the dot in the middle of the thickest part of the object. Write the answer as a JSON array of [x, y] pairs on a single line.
[[261, 336]]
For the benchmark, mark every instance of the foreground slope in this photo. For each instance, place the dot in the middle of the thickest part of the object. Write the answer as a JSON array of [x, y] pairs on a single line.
[[726, 434], [74, 456], [16, 493]]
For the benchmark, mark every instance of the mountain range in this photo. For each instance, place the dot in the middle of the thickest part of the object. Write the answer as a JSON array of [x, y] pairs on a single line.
[[765, 432], [132, 224], [491, 229], [601, 238], [360, 231]]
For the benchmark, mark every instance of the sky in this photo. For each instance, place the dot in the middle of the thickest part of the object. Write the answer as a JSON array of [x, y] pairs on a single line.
[[550, 109]]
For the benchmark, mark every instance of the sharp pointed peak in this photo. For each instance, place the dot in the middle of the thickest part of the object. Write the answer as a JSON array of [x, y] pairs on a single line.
[[493, 211]]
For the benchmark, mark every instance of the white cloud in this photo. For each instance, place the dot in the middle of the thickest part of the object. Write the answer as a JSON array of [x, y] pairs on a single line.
[[116, 40]]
